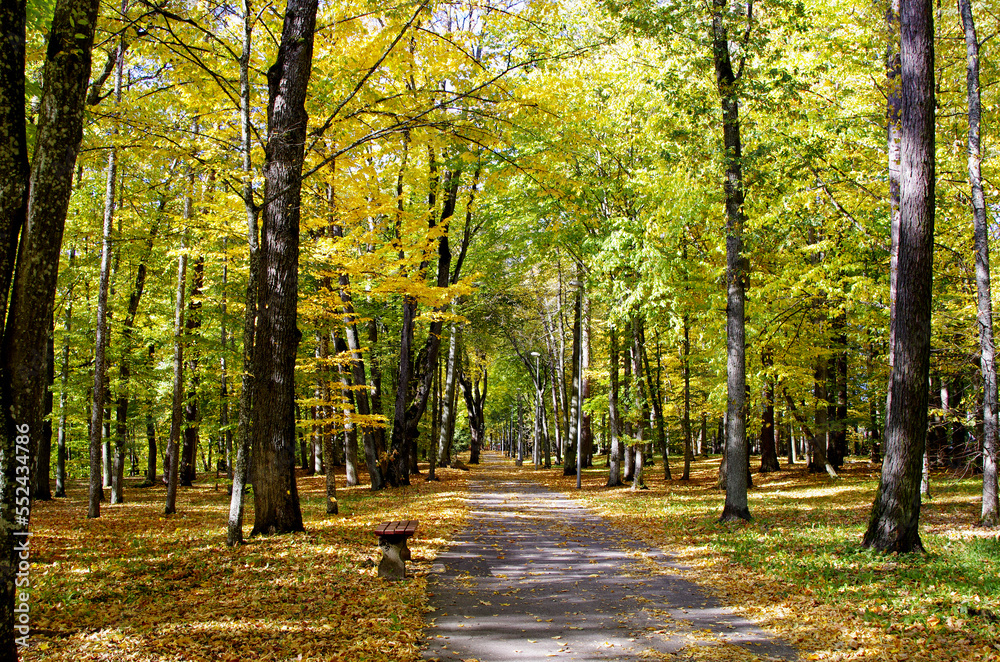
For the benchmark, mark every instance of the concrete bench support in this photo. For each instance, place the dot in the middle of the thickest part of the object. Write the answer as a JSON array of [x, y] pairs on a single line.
[[392, 541]]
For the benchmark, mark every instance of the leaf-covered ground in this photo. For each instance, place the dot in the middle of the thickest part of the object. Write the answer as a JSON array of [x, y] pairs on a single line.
[[799, 570], [136, 585]]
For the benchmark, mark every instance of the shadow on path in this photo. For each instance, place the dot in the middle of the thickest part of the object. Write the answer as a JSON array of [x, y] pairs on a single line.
[[537, 576]]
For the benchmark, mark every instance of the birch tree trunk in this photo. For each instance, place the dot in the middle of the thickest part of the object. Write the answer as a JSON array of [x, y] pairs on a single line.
[[448, 401], [686, 421], [614, 426], [171, 462], [99, 456], [64, 394], [990, 515], [244, 444]]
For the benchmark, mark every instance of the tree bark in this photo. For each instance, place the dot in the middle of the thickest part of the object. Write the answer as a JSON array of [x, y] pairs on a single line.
[[25, 341], [653, 387], [448, 401], [893, 525], [736, 506], [575, 408], [64, 393], [686, 416], [276, 499], [990, 515], [192, 416], [41, 488], [475, 401], [97, 411], [125, 370], [171, 462], [14, 165], [244, 441], [614, 425], [768, 448]]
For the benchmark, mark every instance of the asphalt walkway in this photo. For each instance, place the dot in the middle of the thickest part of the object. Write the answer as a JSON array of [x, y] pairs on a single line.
[[538, 576]]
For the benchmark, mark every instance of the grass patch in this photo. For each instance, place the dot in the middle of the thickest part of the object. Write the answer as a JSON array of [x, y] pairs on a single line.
[[798, 567]]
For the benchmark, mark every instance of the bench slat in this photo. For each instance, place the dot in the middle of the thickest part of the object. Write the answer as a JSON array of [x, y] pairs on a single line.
[[398, 528]]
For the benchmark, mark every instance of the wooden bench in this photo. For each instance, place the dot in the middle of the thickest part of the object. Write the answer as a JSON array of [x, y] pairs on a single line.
[[392, 540]]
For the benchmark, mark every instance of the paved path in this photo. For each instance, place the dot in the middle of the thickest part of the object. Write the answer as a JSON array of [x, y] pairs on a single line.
[[538, 576]]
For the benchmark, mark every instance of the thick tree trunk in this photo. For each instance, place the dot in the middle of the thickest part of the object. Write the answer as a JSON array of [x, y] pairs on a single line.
[[736, 439], [14, 165], [25, 339], [614, 417], [990, 515], [276, 498], [896, 511]]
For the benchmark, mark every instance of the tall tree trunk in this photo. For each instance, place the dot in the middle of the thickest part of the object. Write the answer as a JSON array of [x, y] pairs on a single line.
[[151, 451], [125, 370], [100, 448], [64, 392], [276, 498], [14, 164], [990, 515], [653, 387], [57, 140], [475, 401], [519, 458], [171, 462], [686, 418], [639, 403], [768, 448], [373, 436], [244, 439], [448, 401], [575, 408], [41, 488], [896, 511], [587, 436], [227, 433], [192, 416], [736, 266], [818, 459], [837, 411], [615, 455]]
